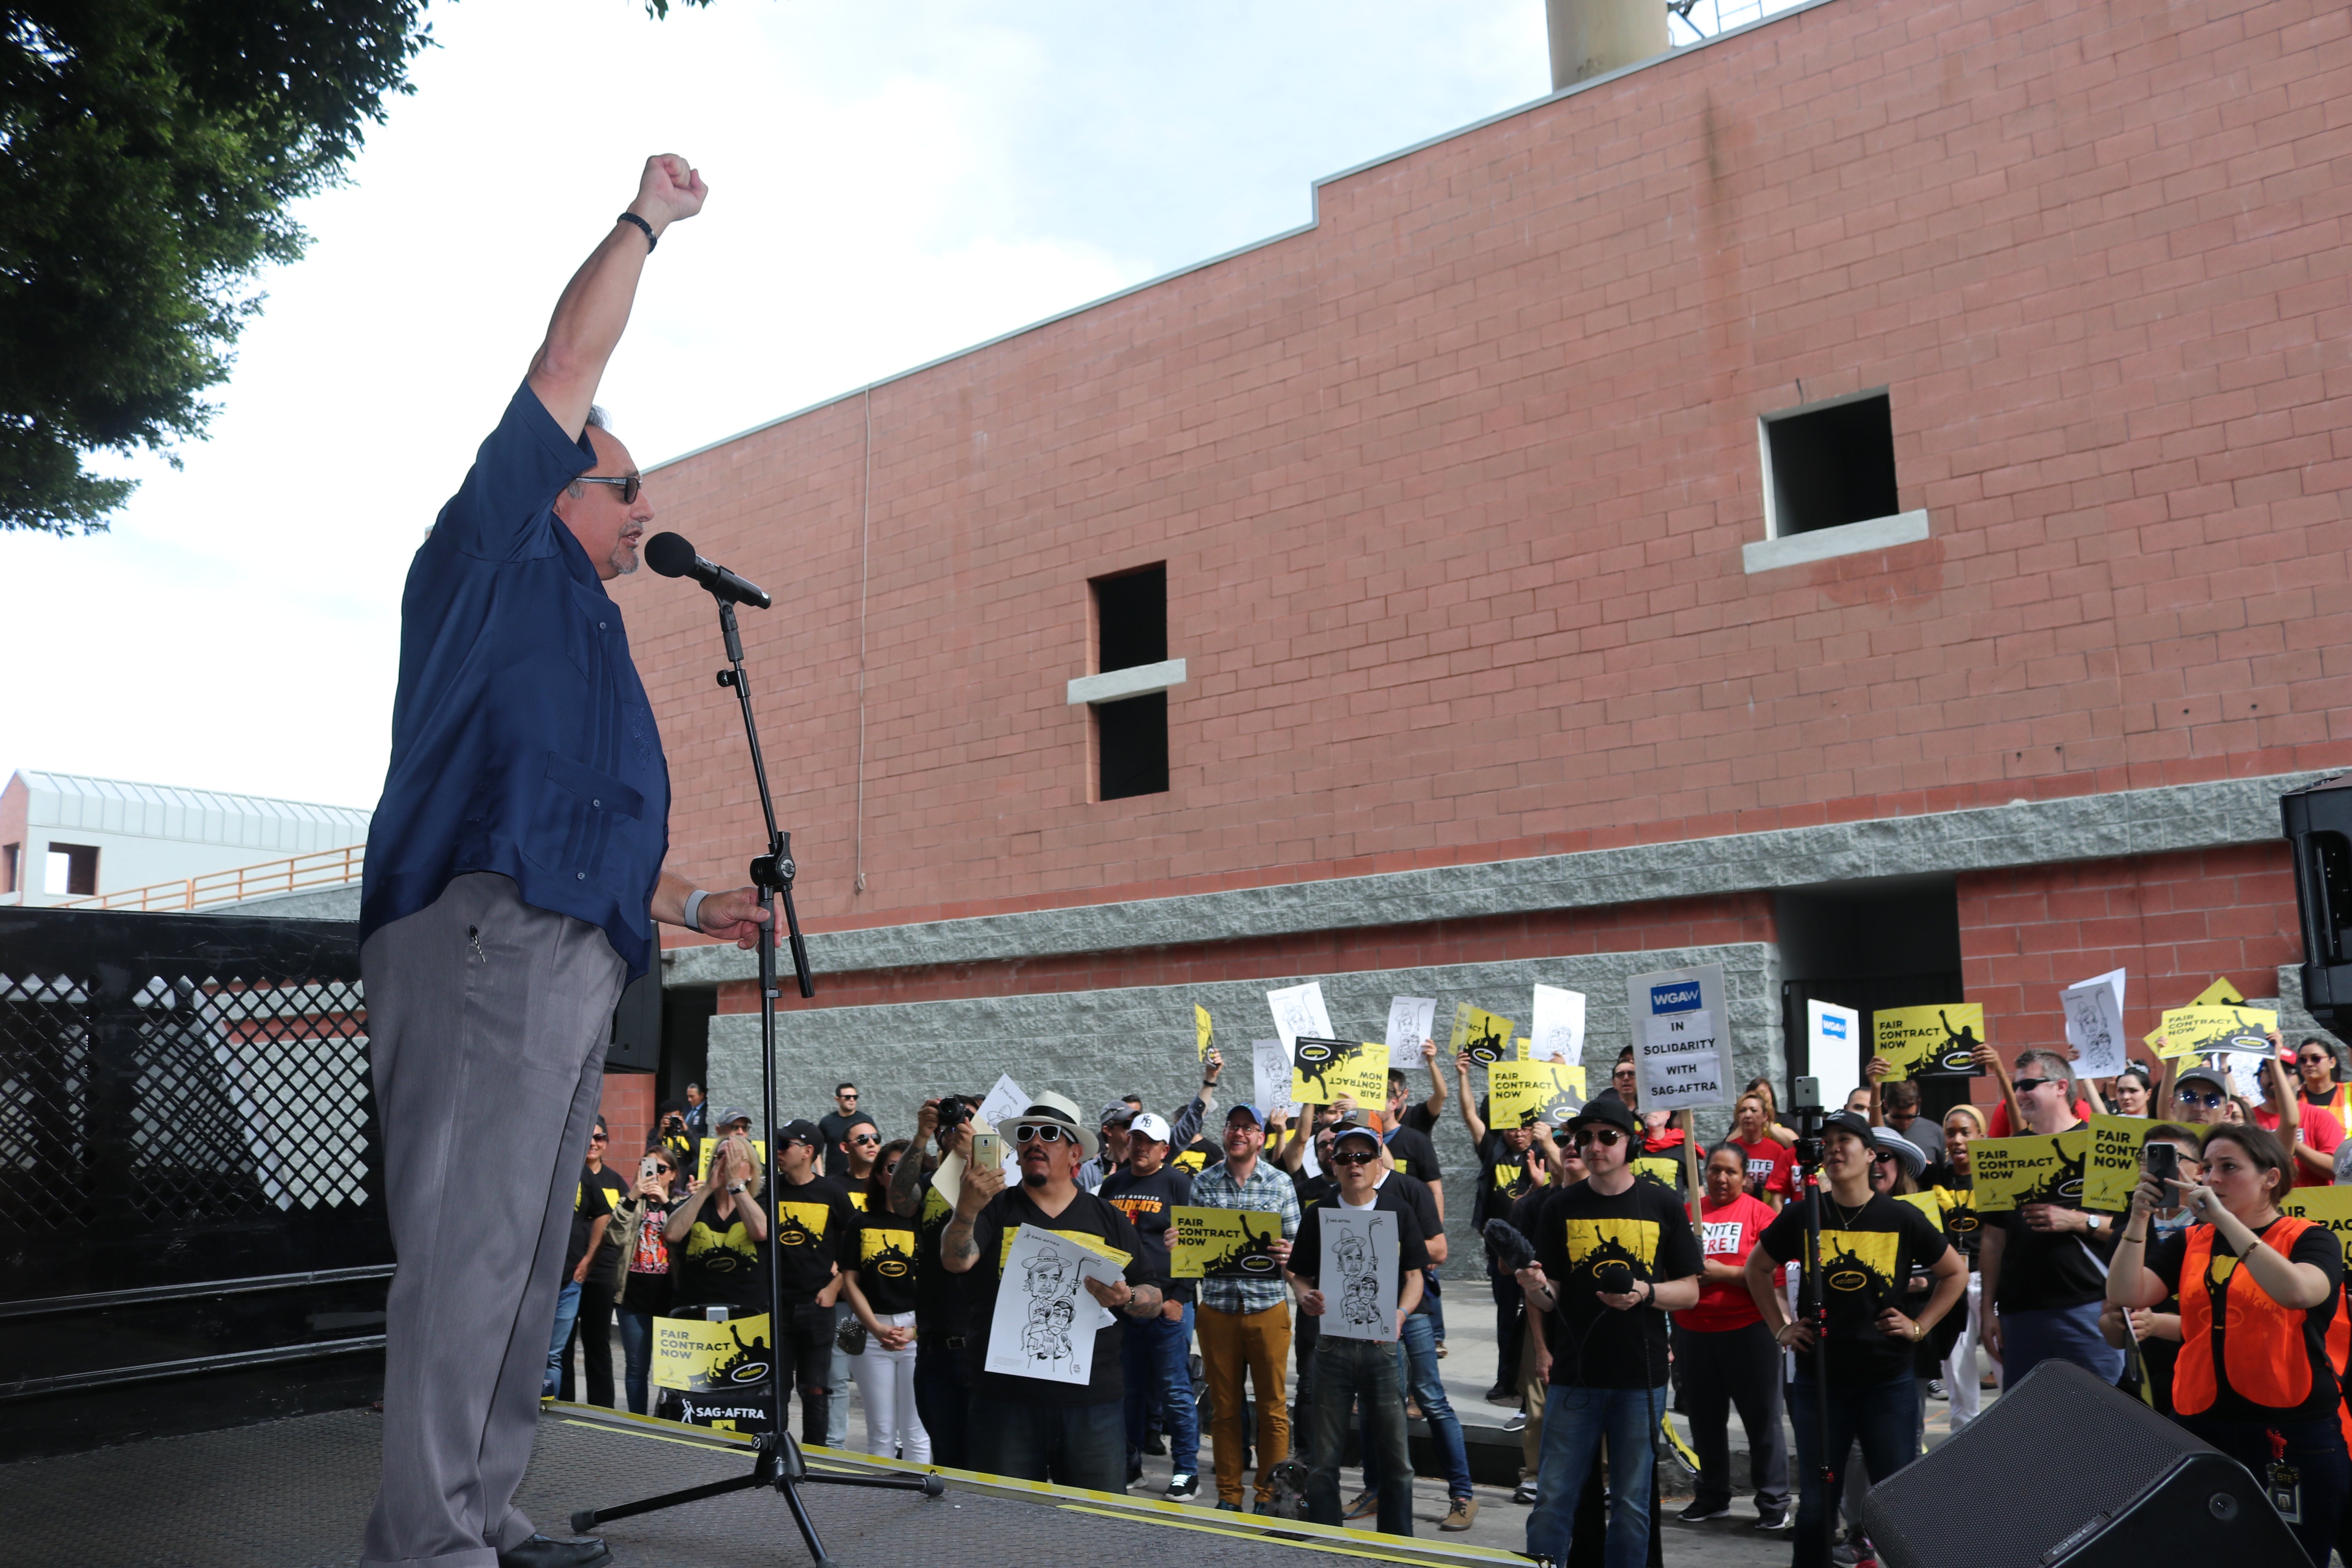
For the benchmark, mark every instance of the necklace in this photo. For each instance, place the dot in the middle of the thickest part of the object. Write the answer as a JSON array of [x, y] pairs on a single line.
[[1846, 1217]]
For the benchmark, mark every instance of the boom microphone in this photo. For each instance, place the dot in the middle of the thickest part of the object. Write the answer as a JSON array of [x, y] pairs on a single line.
[[672, 556]]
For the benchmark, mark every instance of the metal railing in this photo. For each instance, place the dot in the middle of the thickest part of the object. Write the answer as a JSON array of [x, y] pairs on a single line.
[[295, 873]]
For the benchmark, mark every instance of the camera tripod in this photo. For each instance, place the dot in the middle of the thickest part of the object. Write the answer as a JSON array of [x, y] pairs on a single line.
[[777, 1460]]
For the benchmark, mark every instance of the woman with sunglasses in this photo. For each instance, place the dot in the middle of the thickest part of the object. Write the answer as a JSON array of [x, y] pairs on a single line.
[[2311, 1135], [593, 1325], [885, 1259], [2259, 1293], [639, 1287], [2317, 1080]]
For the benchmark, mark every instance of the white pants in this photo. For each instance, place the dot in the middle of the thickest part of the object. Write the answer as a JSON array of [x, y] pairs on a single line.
[[885, 1381], [1961, 1366]]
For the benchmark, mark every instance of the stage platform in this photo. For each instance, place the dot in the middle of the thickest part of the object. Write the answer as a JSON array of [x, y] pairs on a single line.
[[294, 1494]]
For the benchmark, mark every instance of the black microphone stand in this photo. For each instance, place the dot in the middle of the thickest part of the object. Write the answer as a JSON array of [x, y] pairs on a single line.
[[1813, 1297], [777, 1460]]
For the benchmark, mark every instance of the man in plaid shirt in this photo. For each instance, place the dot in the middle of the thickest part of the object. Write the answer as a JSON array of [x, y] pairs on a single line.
[[1244, 1324]]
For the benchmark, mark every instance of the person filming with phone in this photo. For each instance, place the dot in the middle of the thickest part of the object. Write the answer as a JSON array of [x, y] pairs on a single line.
[[2259, 1293]]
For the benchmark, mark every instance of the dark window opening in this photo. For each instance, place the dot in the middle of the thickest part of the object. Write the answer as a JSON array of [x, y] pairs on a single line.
[[81, 868], [1131, 735], [11, 857], [1890, 941], [1831, 465]]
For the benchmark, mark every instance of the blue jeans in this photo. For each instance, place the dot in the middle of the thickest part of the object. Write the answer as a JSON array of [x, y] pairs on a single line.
[[637, 1357], [2056, 1333], [1068, 1444], [943, 1400], [1348, 1371], [1417, 1356], [567, 1310], [1575, 1422], [1883, 1417], [1156, 1355]]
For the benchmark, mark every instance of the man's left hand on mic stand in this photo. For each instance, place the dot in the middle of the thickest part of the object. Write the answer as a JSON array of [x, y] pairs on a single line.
[[733, 915]]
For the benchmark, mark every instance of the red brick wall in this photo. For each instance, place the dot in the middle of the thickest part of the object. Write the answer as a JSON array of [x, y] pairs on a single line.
[[1623, 928], [628, 1110], [2174, 920], [1452, 488]]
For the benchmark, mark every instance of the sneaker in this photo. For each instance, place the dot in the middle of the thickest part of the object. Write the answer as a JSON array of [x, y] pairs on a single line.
[[1502, 1394], [1935, 1389], [1774, 1519], [1517, 1421], [1460, 1515], [1525, 1494], [1441, 1350], [1182, 1487], [1366, 1505], [1699, 1513], [1229, 1508]]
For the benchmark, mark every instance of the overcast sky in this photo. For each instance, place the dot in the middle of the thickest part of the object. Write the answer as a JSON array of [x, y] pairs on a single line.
[[888, 183]]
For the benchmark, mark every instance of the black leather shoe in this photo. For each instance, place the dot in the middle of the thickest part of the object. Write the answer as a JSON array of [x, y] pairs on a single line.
[[540, 1551]]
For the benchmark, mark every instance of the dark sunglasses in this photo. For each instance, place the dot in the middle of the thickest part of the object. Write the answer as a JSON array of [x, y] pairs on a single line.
[[597, 1138], [1043, 1132], [2209, 1101], [627, 484], [2314, 1061], [1606, 1137], [1882, 1156], [1354, 1157], [2023, 1084], [862, 1138]]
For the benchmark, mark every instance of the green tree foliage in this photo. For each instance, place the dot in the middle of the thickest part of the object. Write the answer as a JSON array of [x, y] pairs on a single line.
[[152, 148]]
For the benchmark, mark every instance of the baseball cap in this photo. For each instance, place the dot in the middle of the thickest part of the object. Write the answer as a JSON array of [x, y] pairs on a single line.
[[1609, 1110], [1246, 1109], [1851, 1121], [2214, 1076], [1146, 1125], [800, 1131], [1355, 1127], [1117, 1111], [731, 1115]]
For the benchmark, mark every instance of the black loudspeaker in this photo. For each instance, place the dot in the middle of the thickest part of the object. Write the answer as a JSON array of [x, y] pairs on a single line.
[[2065, 1471], [2319, 822]]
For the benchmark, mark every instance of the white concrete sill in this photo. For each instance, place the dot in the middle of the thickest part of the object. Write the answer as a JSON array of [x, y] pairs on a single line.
[[1828, 543], [1141, 680]]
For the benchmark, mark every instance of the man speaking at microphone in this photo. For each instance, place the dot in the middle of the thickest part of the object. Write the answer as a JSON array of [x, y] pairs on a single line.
[[514, 869]]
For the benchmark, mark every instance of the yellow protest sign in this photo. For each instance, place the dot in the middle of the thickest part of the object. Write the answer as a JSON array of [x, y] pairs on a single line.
[[2330, 1206], [2038, 1168], [1202, 1029], [1487, 1036], [1223, 1244], [2220, 993], [1934, 1041], [2111, 1170], [695, 1357], [1323, 1070], [1925, 1204], [2185, 1031], [710, 1147], [1515, 1091]]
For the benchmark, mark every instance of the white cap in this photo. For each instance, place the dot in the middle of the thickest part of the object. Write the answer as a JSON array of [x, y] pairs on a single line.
[[1146, 1125]]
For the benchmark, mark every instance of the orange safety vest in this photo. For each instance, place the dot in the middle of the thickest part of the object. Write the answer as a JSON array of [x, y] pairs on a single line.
[[2262, 1341]]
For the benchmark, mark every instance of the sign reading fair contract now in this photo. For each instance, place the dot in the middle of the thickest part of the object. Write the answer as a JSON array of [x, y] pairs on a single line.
[[1682, 1044]]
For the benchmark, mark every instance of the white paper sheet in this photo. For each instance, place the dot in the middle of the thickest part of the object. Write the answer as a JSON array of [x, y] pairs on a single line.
[[1411, 1019], [1046, 1321], [1358, 1274], [1004, 1102], [1270, 1067], [1298, 1010], [1557, 1034], [1833, 1042], [2094, 1024]]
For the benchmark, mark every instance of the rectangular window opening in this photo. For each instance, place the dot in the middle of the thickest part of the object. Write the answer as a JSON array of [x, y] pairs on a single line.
[[1830, 464], [11, 855], [72, 870], [1131, 735]]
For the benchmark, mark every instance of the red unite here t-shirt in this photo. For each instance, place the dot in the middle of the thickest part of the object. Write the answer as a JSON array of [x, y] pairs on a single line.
[[2321, 1131], [1727, 1234], [1771, 1167]]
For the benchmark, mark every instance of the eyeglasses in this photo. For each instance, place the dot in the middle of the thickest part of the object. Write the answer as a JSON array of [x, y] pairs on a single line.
[[2312, 1061], [846, 1094], [2024, 1084], [627, 484], [597, 1138], [1882, 1156], [1043, 1132], [661, 1170], [862, 1138], [1606, 1137], [1354, 1157], [2209, 1101]]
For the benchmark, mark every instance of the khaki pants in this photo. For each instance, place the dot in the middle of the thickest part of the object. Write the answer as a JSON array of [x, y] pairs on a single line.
[[1258, 1343], [1531, 1397]]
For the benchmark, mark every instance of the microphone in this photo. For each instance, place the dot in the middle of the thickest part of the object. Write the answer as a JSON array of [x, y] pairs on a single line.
[[672, 556]]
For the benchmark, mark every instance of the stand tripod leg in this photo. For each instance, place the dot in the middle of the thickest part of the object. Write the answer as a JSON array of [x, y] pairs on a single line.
[[762, 1473]]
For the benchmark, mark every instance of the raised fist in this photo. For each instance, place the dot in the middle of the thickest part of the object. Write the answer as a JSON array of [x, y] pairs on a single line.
[[668, 190]]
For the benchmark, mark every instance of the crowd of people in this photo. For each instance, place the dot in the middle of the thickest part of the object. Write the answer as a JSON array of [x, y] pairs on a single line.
[[1611, 1304]]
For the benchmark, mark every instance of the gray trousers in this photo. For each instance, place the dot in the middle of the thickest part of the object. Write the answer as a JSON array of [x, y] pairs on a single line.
[[487, 1021]]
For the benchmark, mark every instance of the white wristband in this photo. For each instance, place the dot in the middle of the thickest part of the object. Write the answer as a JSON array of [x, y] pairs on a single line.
[[694, 908]]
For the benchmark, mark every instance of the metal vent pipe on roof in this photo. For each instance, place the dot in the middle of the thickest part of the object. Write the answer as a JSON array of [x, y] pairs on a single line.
[[1591, 37]]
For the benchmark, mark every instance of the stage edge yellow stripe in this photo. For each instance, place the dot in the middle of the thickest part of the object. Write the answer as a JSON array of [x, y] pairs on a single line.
[[1323, 1546]]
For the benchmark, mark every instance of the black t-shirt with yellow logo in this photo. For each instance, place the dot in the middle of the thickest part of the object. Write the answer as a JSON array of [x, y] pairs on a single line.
[[718, 1263], [887, 1253], [1867, 1256], [1956, 1195], [812, 1221], [1577, 1232], [1145, 1202]]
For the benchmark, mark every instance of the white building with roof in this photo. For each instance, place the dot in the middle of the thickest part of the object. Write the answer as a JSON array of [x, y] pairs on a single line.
[[66, 838]]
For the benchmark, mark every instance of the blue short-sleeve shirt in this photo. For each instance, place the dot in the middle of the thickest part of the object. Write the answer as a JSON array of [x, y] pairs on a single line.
[[521, 740]]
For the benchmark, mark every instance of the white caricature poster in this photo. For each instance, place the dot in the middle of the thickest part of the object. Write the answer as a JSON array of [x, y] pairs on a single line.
[[1004, 1102], [1558, 1033], [1270, 1075], [1045, 1320], [1298, 1010], [2095, 1023], [1411, 1019], [1358, 1275]]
